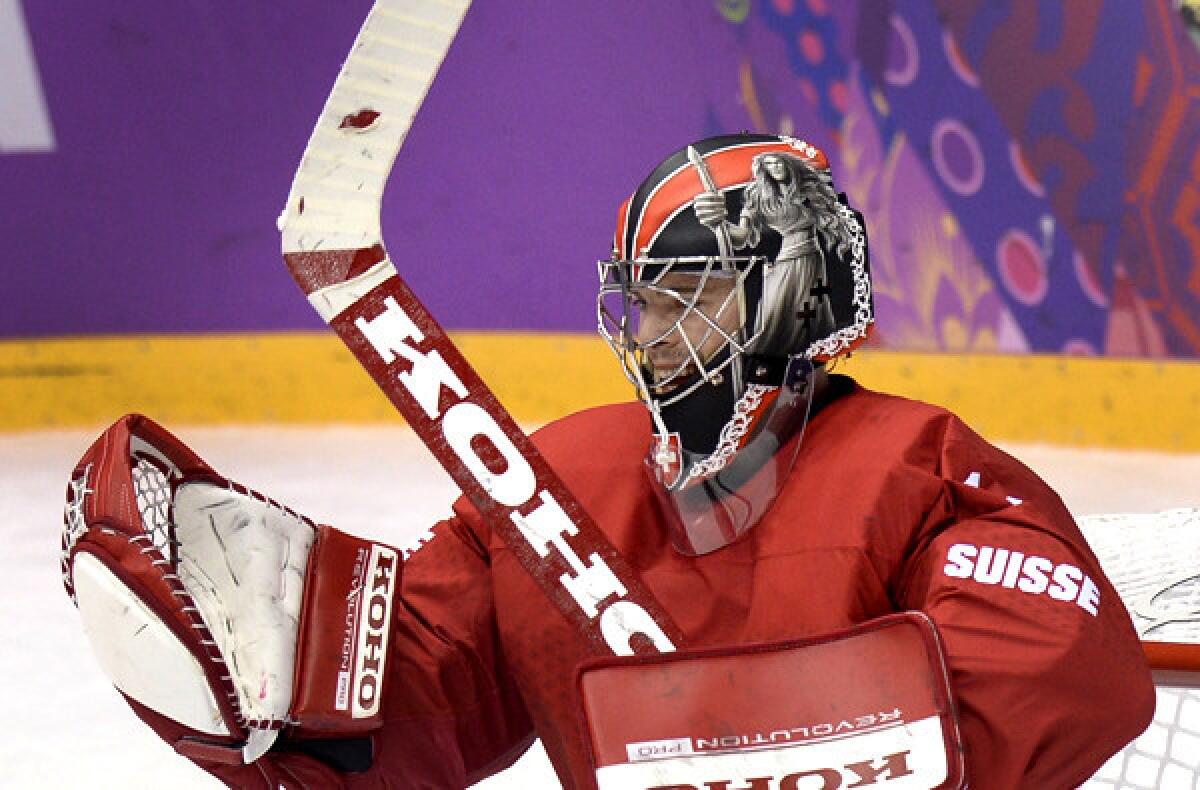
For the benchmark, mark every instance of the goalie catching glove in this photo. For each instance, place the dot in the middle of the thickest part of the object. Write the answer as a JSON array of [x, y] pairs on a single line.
[[203, 604]]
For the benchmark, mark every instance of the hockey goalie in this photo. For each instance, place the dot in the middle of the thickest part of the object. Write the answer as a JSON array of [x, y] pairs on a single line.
[[861, 590]]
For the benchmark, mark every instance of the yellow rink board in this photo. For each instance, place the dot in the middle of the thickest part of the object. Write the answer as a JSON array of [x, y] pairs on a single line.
[[309, 377]]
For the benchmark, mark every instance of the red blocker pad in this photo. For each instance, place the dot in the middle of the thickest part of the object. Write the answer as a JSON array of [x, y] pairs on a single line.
[[344, 634], [857, 707]]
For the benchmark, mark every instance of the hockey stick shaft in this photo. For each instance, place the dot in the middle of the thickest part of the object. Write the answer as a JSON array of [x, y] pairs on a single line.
[[333, 246]]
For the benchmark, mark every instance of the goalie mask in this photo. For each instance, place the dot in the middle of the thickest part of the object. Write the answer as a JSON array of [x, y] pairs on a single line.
[[736, 271]]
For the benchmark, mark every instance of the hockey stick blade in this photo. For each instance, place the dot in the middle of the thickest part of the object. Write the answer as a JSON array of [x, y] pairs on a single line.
[[333, 246]]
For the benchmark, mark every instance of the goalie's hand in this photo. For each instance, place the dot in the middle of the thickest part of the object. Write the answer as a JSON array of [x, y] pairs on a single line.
[[710, 209], [203, 604]]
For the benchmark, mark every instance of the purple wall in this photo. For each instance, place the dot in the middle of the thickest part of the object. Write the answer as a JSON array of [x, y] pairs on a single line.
[[1029, 171], [179, 128]]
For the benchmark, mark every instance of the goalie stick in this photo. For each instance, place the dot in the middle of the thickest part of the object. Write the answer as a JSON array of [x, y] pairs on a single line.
[[333, 246]]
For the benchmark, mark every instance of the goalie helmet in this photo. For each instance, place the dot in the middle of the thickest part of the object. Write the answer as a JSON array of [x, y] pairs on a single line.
[[736, 270]]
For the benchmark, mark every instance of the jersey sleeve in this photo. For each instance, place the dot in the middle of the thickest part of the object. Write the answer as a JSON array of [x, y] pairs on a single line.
[[452, 713], [1047, 671]]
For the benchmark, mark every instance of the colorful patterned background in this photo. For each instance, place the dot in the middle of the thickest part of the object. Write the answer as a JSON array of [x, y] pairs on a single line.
[[1030, 171]]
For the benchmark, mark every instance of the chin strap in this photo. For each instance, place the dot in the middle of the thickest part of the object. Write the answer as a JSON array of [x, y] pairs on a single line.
[[699, 416], [692, 423], [730, 439]]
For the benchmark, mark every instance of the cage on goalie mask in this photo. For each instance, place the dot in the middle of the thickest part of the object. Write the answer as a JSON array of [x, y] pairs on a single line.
[[733, 262]]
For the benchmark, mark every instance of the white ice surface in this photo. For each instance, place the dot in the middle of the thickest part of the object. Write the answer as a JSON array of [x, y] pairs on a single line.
[[69, 729]]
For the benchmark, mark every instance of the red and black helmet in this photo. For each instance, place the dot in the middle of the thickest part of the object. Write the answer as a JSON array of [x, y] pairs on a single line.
[[736, 268], [801, 265]]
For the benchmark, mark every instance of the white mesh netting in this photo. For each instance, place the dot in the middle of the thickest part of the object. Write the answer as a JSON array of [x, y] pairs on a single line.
[[1167, 755], [152, 489], [74, 523], [1154, 562], [151, 474]]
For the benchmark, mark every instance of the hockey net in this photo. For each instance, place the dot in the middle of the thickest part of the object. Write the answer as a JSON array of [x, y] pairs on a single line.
[[1154, 562]]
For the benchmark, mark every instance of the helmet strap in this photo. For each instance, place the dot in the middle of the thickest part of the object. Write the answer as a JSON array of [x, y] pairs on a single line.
[[699, 418]]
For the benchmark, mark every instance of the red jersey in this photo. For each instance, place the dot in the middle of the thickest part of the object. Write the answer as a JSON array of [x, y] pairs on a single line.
[[892, 505]]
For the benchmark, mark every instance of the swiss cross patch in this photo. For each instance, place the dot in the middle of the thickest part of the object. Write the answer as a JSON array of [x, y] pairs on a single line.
[[667, 455]]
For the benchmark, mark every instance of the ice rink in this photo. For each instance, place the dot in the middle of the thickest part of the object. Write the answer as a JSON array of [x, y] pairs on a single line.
[[69, 729]]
